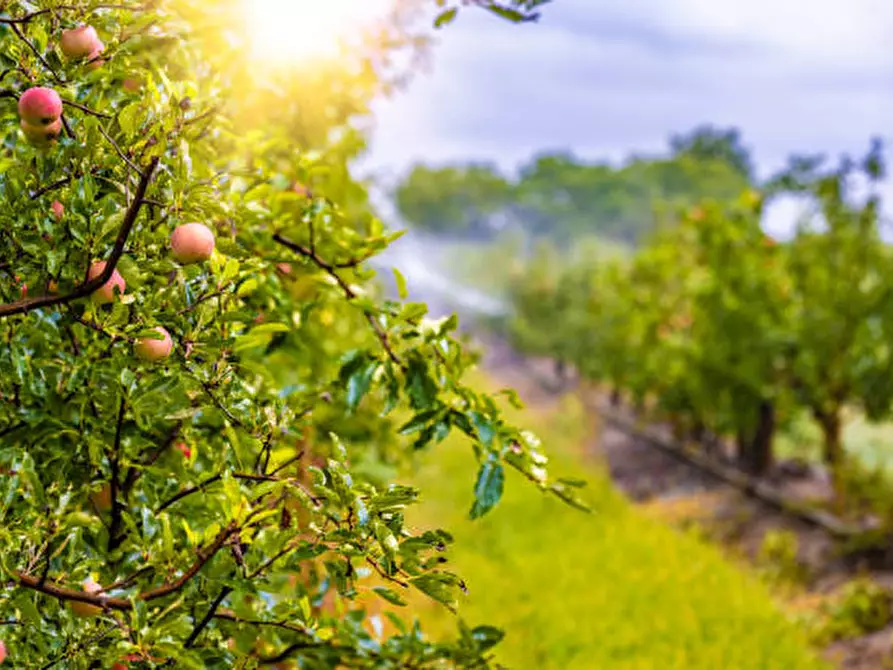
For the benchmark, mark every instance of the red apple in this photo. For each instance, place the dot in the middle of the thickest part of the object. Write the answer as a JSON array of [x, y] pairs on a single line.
[[284, 268], [2, 651], [41, 135], [58, 210], [150, 349], [192, 243], [183, 449], [102, 499], [120, 665], [106, 292], [80, 42], [40, 106], [85, 609]]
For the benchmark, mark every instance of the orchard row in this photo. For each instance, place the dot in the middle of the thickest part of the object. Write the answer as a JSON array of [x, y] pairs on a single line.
[[724, 331]]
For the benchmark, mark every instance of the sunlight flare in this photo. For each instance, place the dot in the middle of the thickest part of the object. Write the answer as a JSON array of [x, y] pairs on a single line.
[[290, 31]]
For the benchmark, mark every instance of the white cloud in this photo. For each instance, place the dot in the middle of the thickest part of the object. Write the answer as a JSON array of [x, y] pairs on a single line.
[[608, 78]]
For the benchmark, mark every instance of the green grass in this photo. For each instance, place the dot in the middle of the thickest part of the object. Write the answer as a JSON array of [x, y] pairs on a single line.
[[609, 590]]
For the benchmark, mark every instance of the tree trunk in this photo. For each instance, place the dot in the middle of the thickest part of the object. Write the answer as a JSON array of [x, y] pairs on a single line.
[[832, 444], [760, 457], [561, 372], [832, 450], [615, 397]]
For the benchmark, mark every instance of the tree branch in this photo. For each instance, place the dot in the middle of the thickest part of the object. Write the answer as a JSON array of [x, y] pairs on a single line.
[[331, 270], [88, 287]]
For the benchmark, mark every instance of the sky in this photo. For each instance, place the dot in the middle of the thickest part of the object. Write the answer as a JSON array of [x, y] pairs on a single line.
[[606, 78]]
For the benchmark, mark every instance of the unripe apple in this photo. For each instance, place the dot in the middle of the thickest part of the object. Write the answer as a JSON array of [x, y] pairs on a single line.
[[150, 349], [58, 210], [106, 292], [192, 243], [40, 106], [80, 42], [41, 135], [2, 651], [85, 609]]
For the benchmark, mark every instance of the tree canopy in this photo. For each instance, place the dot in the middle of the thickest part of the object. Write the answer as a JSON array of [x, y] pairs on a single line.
[[559, 195]]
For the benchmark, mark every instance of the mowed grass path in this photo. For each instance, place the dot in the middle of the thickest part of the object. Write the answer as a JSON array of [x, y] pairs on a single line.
[[608, 590]]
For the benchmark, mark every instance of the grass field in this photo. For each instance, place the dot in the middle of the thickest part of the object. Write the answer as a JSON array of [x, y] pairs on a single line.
[[609, 590]]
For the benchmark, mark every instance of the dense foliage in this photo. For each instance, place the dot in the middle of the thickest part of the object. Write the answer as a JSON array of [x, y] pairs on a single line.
[[213, 493], [726, 331], [563, 197]]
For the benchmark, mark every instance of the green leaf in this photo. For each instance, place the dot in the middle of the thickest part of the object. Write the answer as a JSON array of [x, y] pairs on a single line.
[[401, 284], [269, 329], [358, 384], [488, 489], [391, 596], [487, 637], [446, 17]]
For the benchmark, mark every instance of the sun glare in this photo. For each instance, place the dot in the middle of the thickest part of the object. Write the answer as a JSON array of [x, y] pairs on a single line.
[[290, 31]]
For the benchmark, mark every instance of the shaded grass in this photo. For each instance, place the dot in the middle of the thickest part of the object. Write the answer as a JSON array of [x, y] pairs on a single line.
[[614, 589]]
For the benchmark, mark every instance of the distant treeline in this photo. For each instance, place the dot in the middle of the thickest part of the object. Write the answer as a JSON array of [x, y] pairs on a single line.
[[561, 196]]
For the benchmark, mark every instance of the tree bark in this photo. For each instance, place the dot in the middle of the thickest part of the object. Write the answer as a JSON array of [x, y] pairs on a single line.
[[832, 443], [760, 457]]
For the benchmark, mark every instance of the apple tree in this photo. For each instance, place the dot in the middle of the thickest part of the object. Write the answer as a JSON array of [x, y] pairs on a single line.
[[203, 395]]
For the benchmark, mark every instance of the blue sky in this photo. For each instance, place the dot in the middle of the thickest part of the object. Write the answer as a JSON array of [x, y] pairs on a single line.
[[606, 78]]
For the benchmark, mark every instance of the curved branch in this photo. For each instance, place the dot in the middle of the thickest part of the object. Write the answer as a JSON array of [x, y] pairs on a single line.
[[88, 287]]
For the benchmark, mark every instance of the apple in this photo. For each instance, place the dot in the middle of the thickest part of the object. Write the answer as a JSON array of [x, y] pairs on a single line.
[[41, 135], [183, 449], [94, 62], [150, 349], [24, 286], [80, 42], [58, 210], [2, 651], [106, 292], [85, 609], [131, 85], [284, 268], [40, 106], [300, 189], [102, 499], [192, 243]]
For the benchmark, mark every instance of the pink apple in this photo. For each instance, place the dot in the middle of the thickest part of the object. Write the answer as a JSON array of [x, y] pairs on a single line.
[[150, 349], [94, 61], [106, 292], [80, 42], [58, 210], [41, 135], [85, 609], [192, 243], [2, 651], [40, 106]]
